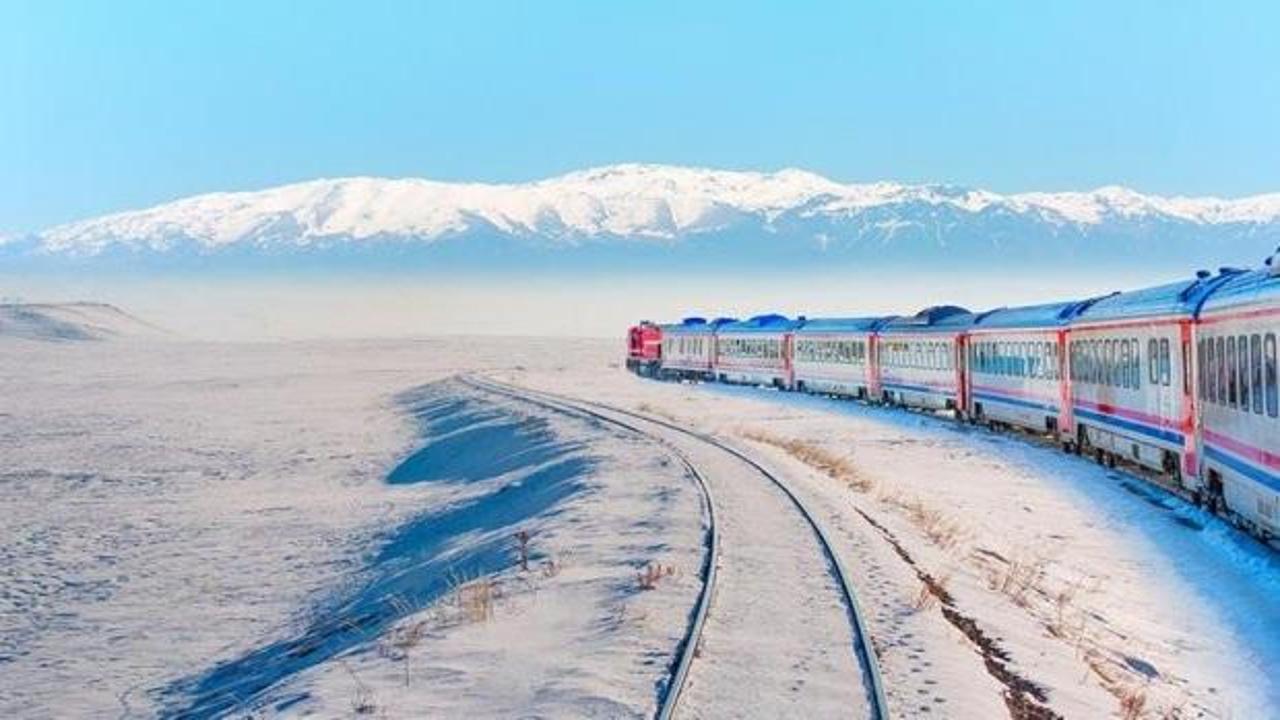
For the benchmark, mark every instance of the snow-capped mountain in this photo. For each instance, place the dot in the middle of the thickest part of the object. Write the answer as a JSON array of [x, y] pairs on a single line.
[[663, 205]]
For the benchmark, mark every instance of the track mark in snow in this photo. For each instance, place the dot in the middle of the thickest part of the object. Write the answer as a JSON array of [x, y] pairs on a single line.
[[1025, 699]]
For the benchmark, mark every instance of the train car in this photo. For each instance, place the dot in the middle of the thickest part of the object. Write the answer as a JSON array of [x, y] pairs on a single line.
[[1235, 354], [644, 349], [1017, 358], [1130, 371], [756, 351], [835, 356], [688, 348], [921, 359]]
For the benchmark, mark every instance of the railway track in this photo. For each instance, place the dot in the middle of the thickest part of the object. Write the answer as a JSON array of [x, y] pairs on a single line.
[[683, 443]]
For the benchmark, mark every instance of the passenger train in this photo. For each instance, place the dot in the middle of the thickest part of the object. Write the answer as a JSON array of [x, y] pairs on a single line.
[[1180, 379]]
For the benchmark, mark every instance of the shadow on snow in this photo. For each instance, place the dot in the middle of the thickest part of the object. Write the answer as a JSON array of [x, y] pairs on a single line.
[[468, 441]]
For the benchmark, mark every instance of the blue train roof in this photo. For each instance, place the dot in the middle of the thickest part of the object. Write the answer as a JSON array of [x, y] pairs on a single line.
[[696, 325], [939, 318], [1179, 298], [1033, 316], [832, 325], [762, 324], [1246, 287]]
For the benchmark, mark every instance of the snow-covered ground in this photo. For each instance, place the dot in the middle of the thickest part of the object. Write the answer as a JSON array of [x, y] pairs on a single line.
[[1095, 588], [186, 525], [327, 528]]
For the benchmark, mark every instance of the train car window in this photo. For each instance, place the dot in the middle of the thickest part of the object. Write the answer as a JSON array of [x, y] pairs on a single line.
[[1117, 367], [1186, 366], [1233, 397], [1123, 359], [1255, 364], [1153, 362], [1100, 361], [1104, 347], [1200, 389], [1221, 344], [1126, 355], [1242, 343], [1112, 365], [1210, 370], [1165, 366], [1135, 364], [1135, 371], [1269, 360]]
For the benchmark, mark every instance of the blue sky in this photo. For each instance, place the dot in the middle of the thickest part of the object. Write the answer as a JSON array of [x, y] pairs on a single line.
[[113, 105]]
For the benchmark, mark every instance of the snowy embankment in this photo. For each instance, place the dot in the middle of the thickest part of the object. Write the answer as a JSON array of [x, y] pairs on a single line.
[[1002, 577], [196, 530]]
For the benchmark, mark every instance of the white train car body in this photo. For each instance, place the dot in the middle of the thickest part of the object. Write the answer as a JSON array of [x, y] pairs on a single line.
[[1130, 371], [689, 348], [836, 356], [1017, 363], [756, 351], [1236, 377], [921, 359]]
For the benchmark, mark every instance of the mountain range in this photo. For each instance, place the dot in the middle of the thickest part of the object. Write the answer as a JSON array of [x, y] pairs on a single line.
[[659, 214]]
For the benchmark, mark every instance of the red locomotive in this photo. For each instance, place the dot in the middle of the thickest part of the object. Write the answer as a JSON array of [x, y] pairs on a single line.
[[644, 349]]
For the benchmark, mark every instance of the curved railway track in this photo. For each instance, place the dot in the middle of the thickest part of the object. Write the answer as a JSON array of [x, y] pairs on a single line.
[[634, 422]]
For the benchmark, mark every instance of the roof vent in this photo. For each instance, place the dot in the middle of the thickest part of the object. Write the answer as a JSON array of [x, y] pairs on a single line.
[[1229, 271], [1273, 264], [1203, 274]]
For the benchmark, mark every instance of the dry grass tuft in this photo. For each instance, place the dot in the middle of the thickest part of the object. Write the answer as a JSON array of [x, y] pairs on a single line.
[[937, 528], [830, 464], [399, 644], [652, 574], [648, 409], [362, 699], [1017, 579], [474, 597], [1133, 702]]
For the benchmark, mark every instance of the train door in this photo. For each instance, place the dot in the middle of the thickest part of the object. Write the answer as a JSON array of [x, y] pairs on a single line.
[[961, 353], [788, 356], [1161, 375], [1066, 415]]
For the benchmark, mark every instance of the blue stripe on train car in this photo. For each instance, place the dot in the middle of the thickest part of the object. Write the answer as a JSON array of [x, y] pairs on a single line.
[[918, 388], [1157, 433], [1240, 466], [1015, 401]]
